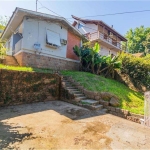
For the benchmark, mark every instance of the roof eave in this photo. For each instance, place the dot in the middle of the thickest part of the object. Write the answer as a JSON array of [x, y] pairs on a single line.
[[98, 22], [29, 12]]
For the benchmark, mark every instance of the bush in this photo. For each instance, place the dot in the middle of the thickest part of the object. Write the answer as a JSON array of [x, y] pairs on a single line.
[[92, 61], [138, 68]]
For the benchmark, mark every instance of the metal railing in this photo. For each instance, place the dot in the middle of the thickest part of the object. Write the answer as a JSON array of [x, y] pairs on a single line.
[[18, 46], [104, 37]]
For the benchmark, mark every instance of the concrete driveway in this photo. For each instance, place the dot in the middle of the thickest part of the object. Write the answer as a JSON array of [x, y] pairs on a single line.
[[59, 125]]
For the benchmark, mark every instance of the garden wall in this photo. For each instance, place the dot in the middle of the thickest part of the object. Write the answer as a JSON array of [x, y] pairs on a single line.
[[109, 101], [18, 87]]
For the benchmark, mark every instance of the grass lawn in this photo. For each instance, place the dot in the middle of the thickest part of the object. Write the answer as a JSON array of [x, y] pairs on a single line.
[[129, 99], [28, 69]]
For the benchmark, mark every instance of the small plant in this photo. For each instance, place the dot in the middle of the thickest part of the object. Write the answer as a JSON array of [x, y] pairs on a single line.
[[2, 51]]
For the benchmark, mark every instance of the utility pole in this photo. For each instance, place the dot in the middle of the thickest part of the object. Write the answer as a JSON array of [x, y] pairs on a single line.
[[36, 5]]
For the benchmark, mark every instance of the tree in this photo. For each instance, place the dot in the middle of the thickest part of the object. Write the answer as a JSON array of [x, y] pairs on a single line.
[[4, 21], [147, 44], [135, 38]]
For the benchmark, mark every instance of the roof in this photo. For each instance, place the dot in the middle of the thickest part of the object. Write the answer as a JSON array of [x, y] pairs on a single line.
[[85, 21], [19, 14], [138, 54]]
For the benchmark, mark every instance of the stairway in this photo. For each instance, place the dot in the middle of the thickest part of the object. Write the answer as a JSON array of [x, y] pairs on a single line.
[[81, 99], [11, 61]]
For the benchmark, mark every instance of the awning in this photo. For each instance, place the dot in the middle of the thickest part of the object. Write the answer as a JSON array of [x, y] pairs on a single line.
[[53, 38]]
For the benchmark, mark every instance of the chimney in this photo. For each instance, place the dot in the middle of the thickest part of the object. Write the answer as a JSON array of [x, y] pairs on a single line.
[[111, 26]]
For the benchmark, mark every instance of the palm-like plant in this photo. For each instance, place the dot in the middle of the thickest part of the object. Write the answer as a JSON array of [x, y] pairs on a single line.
[[112, 64], [93, 51]]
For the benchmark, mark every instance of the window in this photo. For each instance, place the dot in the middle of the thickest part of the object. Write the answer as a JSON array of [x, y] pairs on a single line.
[[52, 38]]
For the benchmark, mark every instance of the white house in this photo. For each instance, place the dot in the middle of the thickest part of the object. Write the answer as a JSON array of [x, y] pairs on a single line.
[[98, 31], [41, 40]]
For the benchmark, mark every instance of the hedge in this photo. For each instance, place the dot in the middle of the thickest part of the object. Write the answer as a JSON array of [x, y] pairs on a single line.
[[138, 68]]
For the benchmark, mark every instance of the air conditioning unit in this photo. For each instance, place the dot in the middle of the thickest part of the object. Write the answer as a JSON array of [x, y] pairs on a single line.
[[63, 41]]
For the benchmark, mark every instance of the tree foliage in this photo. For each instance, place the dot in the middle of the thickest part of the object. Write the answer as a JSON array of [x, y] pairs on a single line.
[[146, 43], [138, 68], [3, 21], [2, 51], [135, 38], [92, 61]]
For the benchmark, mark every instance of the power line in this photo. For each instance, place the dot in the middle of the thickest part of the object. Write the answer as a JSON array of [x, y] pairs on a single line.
[[52, 11], [61, 16], [119, 13], [47, 8]]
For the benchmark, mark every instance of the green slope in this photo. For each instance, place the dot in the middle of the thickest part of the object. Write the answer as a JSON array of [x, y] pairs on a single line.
[[129, 99]]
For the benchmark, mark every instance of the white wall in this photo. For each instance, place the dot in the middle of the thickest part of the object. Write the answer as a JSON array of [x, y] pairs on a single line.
[[35, 31], [9, 49], [106, 51], [87, 28]]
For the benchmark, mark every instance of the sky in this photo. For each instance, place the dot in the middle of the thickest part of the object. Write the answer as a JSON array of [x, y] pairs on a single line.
[[121, 23]]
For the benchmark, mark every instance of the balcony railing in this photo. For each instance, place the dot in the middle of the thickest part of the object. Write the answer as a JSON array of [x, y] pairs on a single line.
[[98, 35], [18, 46]]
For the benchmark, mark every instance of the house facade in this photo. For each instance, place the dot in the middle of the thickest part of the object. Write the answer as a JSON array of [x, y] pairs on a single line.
[[41, 40], [98, 31]]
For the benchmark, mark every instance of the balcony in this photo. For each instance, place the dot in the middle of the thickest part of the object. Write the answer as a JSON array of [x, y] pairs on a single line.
[[105, 40]]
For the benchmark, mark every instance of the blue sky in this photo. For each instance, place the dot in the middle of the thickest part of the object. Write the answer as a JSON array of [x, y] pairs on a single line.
[[122, 23]]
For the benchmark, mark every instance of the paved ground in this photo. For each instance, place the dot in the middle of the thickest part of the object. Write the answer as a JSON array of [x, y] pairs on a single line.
[[59, 125]]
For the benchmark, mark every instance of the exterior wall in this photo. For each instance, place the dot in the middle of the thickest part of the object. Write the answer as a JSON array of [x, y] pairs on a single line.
[[90, 28], [35, 60], [16, 38], [106, 51], [72, 41], [35, 31], [9, 47]]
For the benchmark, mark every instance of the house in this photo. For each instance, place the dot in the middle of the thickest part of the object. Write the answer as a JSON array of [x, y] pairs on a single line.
[[98, 31], [40, 40]]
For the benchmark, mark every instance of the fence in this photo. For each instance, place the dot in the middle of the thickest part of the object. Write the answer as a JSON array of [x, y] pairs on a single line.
[[147, 109]]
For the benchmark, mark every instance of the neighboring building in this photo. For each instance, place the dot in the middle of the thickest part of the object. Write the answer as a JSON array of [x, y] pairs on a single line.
[[41, 40], [98, 31]]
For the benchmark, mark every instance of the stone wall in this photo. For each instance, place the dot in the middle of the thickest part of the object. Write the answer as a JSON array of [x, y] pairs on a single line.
[[18, 87], [109, 101], [35, 60]]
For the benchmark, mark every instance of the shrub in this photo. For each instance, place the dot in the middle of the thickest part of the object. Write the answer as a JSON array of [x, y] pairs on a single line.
[[138, 68], [92, 61]]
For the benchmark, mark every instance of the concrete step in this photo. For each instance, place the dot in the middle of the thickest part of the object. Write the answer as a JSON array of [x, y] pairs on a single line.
[[68, 84], [70, 87], [78, 99], [10, 60], [79, 95], [75, 91], [90, 102], [93, 107]]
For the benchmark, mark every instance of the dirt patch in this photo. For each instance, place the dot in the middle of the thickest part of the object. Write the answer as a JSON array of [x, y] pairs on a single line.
[[98, 130], [50, 125]]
